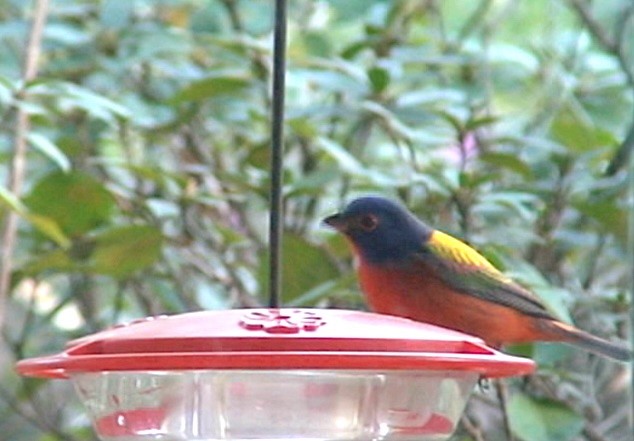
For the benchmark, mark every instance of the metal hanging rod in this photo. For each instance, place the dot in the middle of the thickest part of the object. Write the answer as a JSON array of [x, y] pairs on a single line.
[[276, 214]]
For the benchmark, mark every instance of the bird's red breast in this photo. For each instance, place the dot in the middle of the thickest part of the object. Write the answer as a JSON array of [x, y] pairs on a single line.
[[415, 292]]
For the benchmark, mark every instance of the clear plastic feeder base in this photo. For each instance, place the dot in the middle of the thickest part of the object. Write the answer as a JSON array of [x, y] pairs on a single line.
[[208, 405], [275, 374]]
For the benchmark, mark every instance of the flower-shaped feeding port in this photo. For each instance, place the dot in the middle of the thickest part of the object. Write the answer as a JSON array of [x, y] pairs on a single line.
[[275, 321], [275, 374]]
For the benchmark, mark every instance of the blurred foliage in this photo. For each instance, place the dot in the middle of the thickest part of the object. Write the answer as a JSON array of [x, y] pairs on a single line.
[[505, 123]]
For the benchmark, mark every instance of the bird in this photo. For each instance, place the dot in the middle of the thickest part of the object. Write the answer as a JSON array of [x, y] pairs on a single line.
[[407, 268]]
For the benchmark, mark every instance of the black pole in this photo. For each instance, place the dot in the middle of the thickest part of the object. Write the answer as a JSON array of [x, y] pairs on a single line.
[[276, 217], [631, 259]]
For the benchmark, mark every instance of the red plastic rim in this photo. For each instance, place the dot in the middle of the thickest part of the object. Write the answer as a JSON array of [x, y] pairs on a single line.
[[276, 339]]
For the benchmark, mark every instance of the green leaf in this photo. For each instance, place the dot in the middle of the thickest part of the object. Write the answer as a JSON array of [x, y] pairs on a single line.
[[56, 260], [49, 227], [379, 79], [342, 157], [304, 268], [118, 252], [9, 200], [121, 251], [317, 44], [44, 224], [476, 123], [313, 295], [98, 106], [335, 76], [577, 134], [548, 353], [508, 161], [608, 214], [303, 127], [454, 120], [116, 14], [7, 90], [430, 97], [349, 52], [522, 204], [66, 34], [317, 293], [394, 123], [312, 183], [212, 87], [349, 164], [50, 150], [543, 420], [77, 202]]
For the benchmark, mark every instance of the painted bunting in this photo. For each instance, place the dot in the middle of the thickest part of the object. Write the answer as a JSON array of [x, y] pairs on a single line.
[[409, 269]]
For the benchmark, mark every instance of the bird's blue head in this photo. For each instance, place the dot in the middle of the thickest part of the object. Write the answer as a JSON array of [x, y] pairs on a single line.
[[382, 230]]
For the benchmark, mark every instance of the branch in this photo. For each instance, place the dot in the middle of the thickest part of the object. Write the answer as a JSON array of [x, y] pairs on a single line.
[[583, 9], [18, 164], [474, 20], [612, 45], [622, 156], [615, 47], [592, 434]]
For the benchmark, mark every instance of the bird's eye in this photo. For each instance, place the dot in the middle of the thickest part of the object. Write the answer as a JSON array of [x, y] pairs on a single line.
[[368, 222]]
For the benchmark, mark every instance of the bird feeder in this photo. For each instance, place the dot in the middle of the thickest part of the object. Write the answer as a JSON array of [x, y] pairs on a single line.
[[274, 374]]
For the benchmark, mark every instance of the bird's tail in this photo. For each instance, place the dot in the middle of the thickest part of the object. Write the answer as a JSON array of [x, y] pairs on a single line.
[[589, 342]]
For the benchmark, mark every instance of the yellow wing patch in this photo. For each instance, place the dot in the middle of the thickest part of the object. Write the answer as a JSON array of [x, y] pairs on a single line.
[[448, 247]]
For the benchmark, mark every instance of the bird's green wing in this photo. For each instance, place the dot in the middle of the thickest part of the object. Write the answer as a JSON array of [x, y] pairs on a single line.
[[467, 271]]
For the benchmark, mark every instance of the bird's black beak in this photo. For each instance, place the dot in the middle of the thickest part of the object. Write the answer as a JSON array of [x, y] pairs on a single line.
[[336, 221]]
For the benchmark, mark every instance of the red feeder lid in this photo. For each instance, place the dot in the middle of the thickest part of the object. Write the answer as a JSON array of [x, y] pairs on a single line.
[[276, 339]]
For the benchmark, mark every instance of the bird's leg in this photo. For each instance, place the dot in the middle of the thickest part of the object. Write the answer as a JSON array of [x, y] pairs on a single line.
[[472, 428], [502, 392]]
